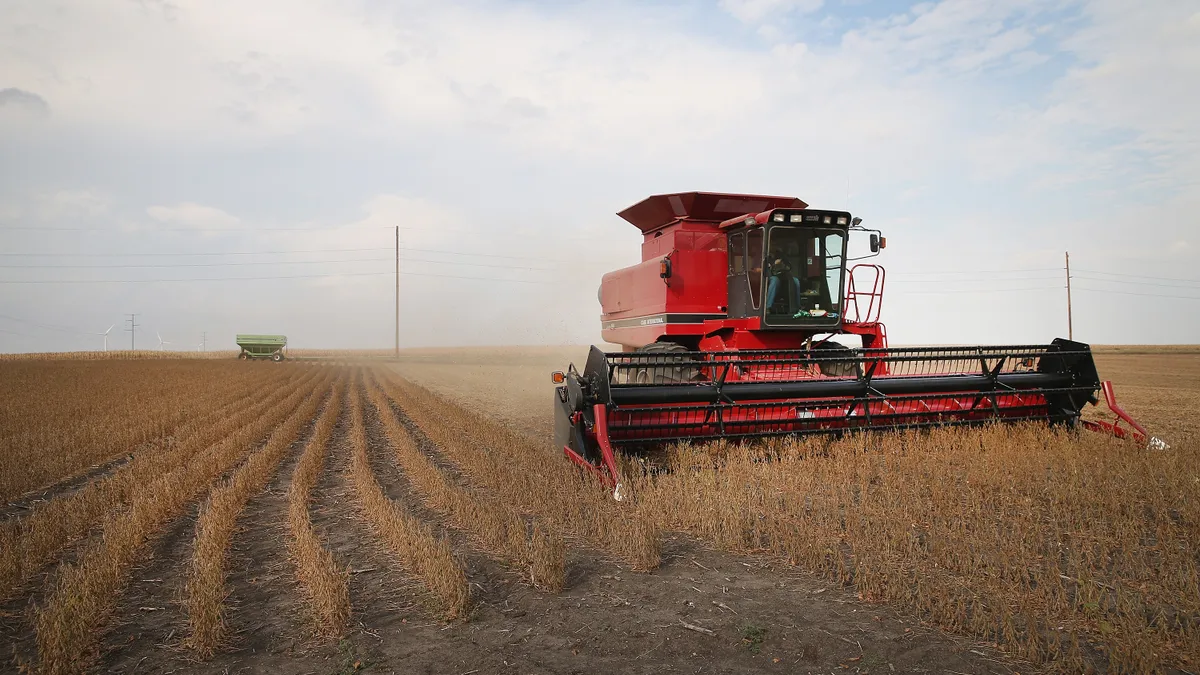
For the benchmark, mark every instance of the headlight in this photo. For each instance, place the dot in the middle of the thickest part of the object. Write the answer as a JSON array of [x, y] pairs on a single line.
[[750, 221], [828, 220], [778, 217], [796, 217], [841, 220]]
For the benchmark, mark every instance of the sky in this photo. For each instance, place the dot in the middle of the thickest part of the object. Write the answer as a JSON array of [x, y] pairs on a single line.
[[222, 167]]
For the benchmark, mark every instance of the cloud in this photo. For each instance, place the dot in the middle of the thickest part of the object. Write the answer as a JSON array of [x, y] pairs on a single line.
[[1117, 118], [26, 100], [192, 215], [66, 207], [18, 105], [509, 133], [753, 11]]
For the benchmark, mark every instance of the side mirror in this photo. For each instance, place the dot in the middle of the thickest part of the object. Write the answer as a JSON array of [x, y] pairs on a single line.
[[875, 243], [664, 268], [855, 222]]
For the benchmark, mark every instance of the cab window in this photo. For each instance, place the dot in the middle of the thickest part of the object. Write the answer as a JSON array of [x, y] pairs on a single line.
[[737, 254], [754, 256], [804, 276]]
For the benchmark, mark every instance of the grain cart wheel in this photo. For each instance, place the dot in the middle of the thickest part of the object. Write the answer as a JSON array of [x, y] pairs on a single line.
[[243, 356], [277, 357]]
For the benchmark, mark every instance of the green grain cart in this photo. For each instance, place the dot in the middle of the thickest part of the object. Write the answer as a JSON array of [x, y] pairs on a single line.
[[272, 347]]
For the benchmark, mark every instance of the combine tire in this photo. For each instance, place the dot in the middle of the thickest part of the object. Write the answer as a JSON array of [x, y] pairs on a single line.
[[667, 374]]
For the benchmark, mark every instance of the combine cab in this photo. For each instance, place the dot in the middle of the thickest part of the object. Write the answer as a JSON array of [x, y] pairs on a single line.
[[726, 324]]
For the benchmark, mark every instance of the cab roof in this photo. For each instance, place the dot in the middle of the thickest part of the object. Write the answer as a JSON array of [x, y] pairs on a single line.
[[659, 211]]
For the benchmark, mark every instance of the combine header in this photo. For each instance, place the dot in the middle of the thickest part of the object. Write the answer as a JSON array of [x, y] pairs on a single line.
[[726, 326]]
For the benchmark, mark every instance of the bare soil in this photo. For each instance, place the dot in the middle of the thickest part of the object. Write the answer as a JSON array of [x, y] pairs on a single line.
[[702, 611]]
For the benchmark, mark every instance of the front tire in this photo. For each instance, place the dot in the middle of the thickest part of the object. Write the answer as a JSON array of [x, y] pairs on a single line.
[[670, 373], [836, 368]]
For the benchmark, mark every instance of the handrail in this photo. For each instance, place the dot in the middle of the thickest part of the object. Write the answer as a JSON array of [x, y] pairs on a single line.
[[874, 297]]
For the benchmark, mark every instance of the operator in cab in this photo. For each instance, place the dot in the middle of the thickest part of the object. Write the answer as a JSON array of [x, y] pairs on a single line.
[[780, 271]]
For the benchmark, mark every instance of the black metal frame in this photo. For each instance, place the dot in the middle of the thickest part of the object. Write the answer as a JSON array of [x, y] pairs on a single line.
[[1059, 378]]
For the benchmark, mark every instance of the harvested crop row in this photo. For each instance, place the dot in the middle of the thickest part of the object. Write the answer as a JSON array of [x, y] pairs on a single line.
[[1040, 540], [494, 524], [76, 611], [27, 544], [157, 430], [325, 585], [428, 558], [121, 355], [67, 420], [517, 470], [206, 590]]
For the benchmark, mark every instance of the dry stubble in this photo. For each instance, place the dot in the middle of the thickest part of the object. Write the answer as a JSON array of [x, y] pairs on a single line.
[[426, 557], [491, 522], [71, 622]]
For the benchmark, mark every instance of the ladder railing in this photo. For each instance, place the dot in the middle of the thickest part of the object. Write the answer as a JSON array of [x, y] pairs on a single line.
[[863, 303]]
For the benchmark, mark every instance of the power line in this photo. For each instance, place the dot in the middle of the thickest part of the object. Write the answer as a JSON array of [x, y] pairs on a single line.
[[961, 281], [199, 230], [224, 253], [298, 276], [1144, 295], [1031, 269], [270, 262], [252, 230], [984, 290], [181, 264], [1140, 276], [47, 326], [123, 255], [1136, 283]]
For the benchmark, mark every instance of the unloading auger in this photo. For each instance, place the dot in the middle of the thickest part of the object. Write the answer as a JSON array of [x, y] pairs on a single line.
[[726, 326]]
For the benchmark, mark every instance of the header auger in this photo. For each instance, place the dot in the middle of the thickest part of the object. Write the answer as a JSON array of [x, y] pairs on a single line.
[[725, 327]]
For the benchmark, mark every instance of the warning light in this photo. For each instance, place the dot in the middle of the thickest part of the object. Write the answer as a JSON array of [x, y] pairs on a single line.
[[558, 377]]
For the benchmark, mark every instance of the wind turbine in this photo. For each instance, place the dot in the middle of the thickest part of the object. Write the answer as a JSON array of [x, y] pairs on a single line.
[[161, 341], [105, 334]]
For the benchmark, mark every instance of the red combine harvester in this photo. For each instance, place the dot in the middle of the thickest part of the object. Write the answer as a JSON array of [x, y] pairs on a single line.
[[725, 326]]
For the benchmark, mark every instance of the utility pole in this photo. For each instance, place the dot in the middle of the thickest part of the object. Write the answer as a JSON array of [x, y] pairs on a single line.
[[397, 291], [1070, 327], [132, 321]]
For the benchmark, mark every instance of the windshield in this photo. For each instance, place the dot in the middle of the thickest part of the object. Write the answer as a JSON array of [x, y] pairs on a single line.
[[803, 274]]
